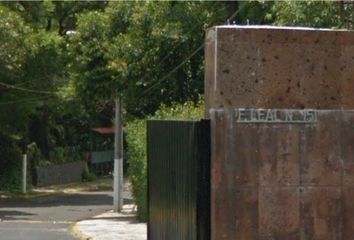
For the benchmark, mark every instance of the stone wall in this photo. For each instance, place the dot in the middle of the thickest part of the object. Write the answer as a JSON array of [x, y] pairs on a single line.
[[59, 174], [263, 67], [282, 133]]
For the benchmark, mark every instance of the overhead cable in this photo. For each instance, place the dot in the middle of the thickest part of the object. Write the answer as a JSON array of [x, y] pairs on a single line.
[[26, 89], [191, 55]]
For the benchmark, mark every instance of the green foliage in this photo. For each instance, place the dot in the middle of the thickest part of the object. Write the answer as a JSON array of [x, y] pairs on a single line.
[[184, 111], [34, 154], [88, 176], [13, 33], [13, 55], [33, 56], [131, 46], [255, 13], [136, 139], [162, 36], [10, 162], [144, 51], [29, 60], [320, 14], [52, 16], [58, 155], [45, 62], [88, 47], [61, 155], [10, 180]]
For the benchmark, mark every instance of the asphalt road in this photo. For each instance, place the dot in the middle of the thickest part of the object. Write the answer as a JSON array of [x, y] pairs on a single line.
[[48, 218]]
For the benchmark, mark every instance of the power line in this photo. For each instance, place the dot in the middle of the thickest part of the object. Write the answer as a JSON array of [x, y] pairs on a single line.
[[173, 49], [175, 69], [190, 56], [235, 13], [26, 100], [180, 43], [26, 89]]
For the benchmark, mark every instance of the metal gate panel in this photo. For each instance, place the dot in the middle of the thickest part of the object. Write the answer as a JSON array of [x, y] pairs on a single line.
[[179, 180]]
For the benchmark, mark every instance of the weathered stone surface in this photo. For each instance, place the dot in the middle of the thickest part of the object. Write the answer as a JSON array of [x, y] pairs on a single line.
[[321, 165], [263, 67], [281, 174], [238, 217], [321, 213], [279, 215], [283, 180], [348, 212], [278, 155], [59, 174]]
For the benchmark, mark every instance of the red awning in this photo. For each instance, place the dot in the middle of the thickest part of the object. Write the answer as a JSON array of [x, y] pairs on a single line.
[[104, 130]]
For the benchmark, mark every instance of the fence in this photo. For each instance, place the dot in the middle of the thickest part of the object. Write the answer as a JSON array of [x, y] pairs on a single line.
[[102, 162], [179, 180], [58, 174]]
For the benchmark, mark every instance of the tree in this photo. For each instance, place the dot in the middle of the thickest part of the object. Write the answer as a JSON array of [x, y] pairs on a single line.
[[58, 16], [30, 73], [133, 48], [319, 14], [13, 54], [33, 69]]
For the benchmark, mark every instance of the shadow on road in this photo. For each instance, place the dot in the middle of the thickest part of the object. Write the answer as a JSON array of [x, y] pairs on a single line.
[[79, 199], [57, 207], [14, 215]]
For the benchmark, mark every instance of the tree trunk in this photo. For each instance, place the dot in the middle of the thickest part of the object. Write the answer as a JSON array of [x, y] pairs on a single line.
[[232, 7]]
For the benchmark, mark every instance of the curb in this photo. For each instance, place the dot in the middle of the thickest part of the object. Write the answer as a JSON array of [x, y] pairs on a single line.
[[75, 231], [30, 195]]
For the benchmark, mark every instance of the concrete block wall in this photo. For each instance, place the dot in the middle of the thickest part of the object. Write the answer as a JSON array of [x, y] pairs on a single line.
[[59, 174]]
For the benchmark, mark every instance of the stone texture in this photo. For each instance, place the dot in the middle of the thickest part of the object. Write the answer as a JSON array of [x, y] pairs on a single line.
[[238, 213], [276, 181], [59, 174], [282, 180], [321, 213], [279, 68], [279, 215]]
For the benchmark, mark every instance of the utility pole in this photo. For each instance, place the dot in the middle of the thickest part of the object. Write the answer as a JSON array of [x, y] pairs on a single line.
[[24, 173], [118, 158], [24, 167]]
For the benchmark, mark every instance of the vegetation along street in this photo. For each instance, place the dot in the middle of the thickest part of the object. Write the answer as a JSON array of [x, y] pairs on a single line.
[[62, 64]]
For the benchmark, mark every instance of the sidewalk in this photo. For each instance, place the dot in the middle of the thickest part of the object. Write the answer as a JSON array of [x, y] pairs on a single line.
[[111, 226], [106, 226]]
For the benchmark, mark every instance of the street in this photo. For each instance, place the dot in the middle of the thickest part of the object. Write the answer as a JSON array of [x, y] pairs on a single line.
[[49, 217]]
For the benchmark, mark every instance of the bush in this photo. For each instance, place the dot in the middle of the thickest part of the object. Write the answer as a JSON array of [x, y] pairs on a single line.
[[34, 154], [185, 111], [137, 156], [60, 155], [10, 164], [136, 139], [88, 176]]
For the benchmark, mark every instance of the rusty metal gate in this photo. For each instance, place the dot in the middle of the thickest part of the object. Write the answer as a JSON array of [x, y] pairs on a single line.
[[179, 180]]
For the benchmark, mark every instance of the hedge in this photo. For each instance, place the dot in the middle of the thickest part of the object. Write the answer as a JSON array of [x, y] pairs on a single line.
[[136, 139], [10, 164]]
